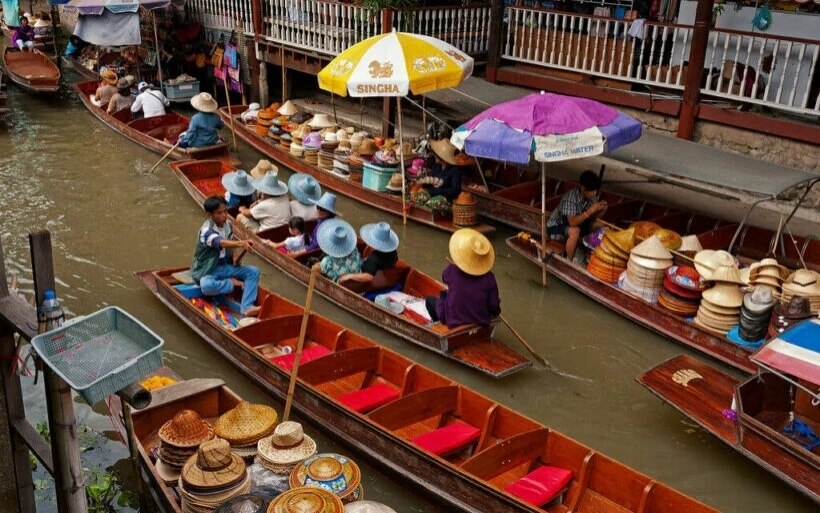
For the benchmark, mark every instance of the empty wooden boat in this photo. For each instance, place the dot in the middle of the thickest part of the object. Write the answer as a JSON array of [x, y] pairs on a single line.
[[469, 344], [158, 133], [31, 70], [381, 200], [477, 455]]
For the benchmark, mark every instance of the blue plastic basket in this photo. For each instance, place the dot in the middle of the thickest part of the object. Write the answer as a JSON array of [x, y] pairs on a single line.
[[101, 353], [377, 177], [182, 91]]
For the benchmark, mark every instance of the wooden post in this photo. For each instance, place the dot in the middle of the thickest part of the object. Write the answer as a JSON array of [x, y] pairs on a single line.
[[389, 104], [263, 83], [65, 449], [697, 59], [495, 40]]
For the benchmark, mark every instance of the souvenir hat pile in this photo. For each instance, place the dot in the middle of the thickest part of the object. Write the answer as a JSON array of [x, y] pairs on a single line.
[[368, 507], [332, 472], [803, 283], [706, 261], [245, 425], [681, 291], [306, 499], [646, 268], [265, 121], [341, 159], [755, 314], [608, 261], [471, 252], [304, 188], [329, 144], [312, 143], [394, 185], [787, 315], [285, 448], [689, 247], [355, 165], [212, 476], [179, 439], [720, 304], [320, 121], [767, 273], [336, 238]]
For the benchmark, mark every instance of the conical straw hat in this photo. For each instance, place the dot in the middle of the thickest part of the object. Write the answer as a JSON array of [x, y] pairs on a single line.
[[726, 274], [652, 248], [724, 294], [650, 263], [185, 429], [690, 243], [472, 252], [623, 239], [368, 507], [306, 499], [246, 423], [288, 109]]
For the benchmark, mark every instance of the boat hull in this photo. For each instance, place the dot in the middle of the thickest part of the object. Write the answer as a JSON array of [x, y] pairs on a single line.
[[32, 71]]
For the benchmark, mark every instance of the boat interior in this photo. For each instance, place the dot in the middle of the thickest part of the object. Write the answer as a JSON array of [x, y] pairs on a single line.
[[504, 449], [33, 66]]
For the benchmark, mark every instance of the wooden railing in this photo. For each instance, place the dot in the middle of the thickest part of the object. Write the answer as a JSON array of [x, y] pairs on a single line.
[[223, 14], [466, 28]]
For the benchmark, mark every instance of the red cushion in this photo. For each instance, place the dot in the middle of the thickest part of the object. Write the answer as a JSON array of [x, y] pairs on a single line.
[[541, 485], [308, 354], [369, 398], [448, 438]]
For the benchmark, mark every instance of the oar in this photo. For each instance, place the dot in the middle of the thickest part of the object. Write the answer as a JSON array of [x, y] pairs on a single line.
[[540, 359], [164, 157], [230, 114], [302, 332]]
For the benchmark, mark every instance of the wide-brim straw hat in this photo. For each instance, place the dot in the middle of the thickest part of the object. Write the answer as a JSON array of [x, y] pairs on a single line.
[[288, 445], [327, 202], [185, 429], [195, 501], [718, 310], [644, 229], [472, 252], [650, 263], [707, 260], [262, 167], [609, 247], [270, 185], [246, 423], [330, 471], [726, 274], [288, 109], [306, 499], [213, 466], [609, 258], [336, 238], [724, 294], [368, 507], [759, 300], [366, 148], [204, 102], [395, 182], [109, 76], [445, 151], [803, 282], [167, 473], [380, 237], [304, 188], [652, 247], [322, 120], [622, 239], [669, 238], [238, 183], [766, 280]]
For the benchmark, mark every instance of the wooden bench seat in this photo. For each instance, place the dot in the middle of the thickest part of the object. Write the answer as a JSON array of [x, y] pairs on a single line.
[[447, 439]]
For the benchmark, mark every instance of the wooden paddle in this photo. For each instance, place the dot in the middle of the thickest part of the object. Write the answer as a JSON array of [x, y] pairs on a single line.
[[230, 114], [540, 359], [314, 272], [164, 157]]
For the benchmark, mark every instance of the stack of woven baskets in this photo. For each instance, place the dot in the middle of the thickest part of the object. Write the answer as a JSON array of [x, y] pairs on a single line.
[[179, 439], [212, 476], [285, 448], [608, 261], [245, 425], [465, 210]]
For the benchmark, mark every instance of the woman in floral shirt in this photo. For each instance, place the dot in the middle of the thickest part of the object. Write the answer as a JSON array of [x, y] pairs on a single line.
[[337, 240]]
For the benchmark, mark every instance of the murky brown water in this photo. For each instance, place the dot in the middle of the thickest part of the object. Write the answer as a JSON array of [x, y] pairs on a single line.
[[64, 171]]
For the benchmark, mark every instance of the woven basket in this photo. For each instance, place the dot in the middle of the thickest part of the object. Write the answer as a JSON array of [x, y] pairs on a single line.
[[465, 215]]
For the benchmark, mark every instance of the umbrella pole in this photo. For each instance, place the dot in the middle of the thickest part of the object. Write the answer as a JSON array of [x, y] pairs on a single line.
[[543, 224], [401, 165]]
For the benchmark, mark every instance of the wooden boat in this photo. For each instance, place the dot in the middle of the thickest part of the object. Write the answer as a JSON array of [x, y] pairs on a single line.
[[470, 345], [153, 133], [383, 201], [444, 437], [766, 404], [31, 70], [752, 244]]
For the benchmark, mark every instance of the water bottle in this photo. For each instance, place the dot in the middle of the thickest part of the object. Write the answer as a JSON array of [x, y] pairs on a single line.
[[50, 315]]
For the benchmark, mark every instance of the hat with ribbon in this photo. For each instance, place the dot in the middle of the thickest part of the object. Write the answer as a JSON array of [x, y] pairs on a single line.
[[288, 445], [270, 185], [213, 466], [336, 238], [472, 252], [304, 188], [238, 183], [380, 237], [327, 202]]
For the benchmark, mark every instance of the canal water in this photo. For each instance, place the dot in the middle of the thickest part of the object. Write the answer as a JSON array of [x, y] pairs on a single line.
[[64, 171]]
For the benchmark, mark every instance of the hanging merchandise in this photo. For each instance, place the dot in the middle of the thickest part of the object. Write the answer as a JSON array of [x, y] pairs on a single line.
[[763, 18]]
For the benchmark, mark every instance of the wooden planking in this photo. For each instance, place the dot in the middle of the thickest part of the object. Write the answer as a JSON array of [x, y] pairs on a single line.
[[339, 365], [507, 454], [416, 407]]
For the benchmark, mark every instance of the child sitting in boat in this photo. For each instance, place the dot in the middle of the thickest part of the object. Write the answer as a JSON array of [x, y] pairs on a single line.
[[577, 213], [203, 130], [384, 244], [296, 241], [337, 240], [272, 208]]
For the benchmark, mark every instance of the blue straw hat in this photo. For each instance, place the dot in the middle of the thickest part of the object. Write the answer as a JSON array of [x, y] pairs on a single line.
[[380, 237], [336, 238], [328, 202], [304, 188], [238, 183], [270, 185]]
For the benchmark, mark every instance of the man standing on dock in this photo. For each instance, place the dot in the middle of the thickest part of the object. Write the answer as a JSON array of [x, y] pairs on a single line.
[[576, 214]]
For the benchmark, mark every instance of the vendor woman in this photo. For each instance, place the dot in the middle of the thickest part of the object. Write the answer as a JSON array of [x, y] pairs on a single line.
[[472, 292], [445, 170], [203, 130]]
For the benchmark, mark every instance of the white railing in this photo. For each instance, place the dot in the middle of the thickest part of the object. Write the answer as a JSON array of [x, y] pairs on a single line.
[[754, 68], [466, 28], [598, 46], [319, 26], [223, 14]]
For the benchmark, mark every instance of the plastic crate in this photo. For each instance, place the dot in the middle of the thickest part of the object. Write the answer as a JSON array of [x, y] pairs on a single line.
[[377, 177], [102, 353], [182, 91]]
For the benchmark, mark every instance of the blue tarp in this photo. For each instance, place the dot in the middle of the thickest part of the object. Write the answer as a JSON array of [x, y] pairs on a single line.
[[11, 13]]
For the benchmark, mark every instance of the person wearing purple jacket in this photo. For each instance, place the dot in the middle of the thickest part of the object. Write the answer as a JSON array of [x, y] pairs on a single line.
[[472, 292]]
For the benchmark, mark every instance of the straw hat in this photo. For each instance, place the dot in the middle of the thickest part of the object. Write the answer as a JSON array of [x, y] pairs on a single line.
[[720, 312], [336, 238], [288, 109], [368, 507], [608, 258], [685, 276], [622, 239], [185, 429], [213, 466], [304, 188], [288, 445], [327, 202], [322, 121], [471, 252], [306, 499], [238, 183], [246, 503], [650, 263], [690, 243], [367, 147], [726, 274], [652, 248], [270, 184], [206, 500], [670, 239], [803, 282], [332, 472], [445, 151], [724, 294], [380, 237], [204, 102], [759, 300], [167, 473], [608, 246], [246, 423], [644, 229], [707, 261], [109, 76], [395, 183], [262, 167]]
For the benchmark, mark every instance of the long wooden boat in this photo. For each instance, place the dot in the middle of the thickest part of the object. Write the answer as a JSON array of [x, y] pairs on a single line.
[[444, 437], [470, 345], [32, 71], [766, 404], [383, 201], [752, 244], [153, 133]]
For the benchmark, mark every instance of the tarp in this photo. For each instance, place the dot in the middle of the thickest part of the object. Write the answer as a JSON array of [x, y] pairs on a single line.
[[109, 29], [795, 352], [11, 14], [115, 6]]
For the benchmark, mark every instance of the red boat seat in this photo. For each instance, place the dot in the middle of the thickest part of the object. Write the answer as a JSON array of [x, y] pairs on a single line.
[[308, 354], [369, 398], [541, 485], [447, 439]]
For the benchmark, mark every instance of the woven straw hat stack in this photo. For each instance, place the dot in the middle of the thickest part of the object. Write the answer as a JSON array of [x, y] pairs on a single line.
[[179, 439], [265, 121], [285, 448], [681, 291], [245, 425], [332, 472], [720, 305], [803, 283], [707, 260], [646, 269], [609, 259], [787, 315], [341, 159], [669, 238], [766, 273], [306, 499], [212, 476]]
